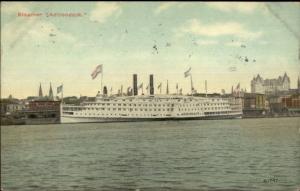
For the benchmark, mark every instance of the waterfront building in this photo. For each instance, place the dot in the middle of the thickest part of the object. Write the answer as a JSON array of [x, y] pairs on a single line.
[[14, 107], [11, 105], [285, 103], [42, 112], [254, 104], [270, 86], [291, 103], [298, 85]]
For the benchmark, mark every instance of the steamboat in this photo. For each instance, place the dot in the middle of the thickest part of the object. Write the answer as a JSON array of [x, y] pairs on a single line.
[[134, 107]]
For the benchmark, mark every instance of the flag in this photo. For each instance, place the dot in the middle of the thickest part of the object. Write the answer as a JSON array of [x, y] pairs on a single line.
[[188, 72], [147, 87], [237, 90], [238, 87], [176, 86], [140, 86], [96, 71], [59, 89], [159, 86]]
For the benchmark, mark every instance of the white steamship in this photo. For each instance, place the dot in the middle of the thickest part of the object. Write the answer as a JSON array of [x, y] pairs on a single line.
[[136, 107]]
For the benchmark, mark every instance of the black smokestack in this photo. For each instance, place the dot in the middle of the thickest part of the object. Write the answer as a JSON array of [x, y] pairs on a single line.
[[135, 90], [151, 85], [105, 90]]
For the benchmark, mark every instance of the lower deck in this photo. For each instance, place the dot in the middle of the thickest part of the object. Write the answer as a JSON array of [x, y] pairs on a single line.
[[70, 119]]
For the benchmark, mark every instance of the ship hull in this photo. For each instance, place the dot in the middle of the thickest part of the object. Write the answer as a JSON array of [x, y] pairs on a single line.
[[70, 119]]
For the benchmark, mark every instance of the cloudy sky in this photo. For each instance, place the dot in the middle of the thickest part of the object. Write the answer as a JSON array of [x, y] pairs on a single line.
[[223, 43]]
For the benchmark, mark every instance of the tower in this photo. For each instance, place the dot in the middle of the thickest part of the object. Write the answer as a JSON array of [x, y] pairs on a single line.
[[40, 91], [50, 93]]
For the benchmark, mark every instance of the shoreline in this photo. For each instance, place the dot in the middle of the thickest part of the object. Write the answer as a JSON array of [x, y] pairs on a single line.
[[50, 121]]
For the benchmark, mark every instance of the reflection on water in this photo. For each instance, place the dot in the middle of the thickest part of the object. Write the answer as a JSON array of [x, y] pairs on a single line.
[[247, 154]]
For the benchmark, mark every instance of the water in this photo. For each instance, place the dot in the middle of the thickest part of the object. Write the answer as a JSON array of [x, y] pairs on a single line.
[[244, 154]]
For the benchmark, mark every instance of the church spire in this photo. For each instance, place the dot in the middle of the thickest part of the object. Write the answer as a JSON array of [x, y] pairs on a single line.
[[50, 92], [40, 91]]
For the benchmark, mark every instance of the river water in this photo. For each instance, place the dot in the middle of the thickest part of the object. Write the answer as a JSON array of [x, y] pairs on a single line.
[[241, 154]]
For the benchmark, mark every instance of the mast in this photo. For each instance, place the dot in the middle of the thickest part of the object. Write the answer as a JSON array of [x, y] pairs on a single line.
[[62, 93], [205, 88], [101, 81], [192, 87]]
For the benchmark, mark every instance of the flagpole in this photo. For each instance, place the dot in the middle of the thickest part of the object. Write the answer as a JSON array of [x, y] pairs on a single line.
[[160, 88], [62, 93], [61, 104], [205, 88], [101, 81], [191, 84]]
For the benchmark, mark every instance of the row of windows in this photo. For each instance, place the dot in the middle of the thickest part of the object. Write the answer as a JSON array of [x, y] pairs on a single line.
[[129, 109], [158, 100], [206, 108], [218, 112], [159, 105], [150, 100], [114, 114], [124, 104], [142, 109], [149, 115], [208, 104], [190, 113]]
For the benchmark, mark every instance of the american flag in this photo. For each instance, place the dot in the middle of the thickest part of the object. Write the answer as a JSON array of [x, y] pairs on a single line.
[[188, 72], [140, 86], [59, 89], [238, 87], [96, 71], [159, 86]]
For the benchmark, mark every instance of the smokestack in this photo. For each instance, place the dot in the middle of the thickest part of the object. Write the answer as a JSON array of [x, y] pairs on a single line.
[[151, 85], [135, 90], [105, 90]]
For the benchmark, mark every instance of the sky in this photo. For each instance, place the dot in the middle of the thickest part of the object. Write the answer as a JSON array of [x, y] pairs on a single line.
[[223, 43]]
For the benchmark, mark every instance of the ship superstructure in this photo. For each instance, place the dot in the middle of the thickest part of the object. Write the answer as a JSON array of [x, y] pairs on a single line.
[[134, 107], [141, 108]]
